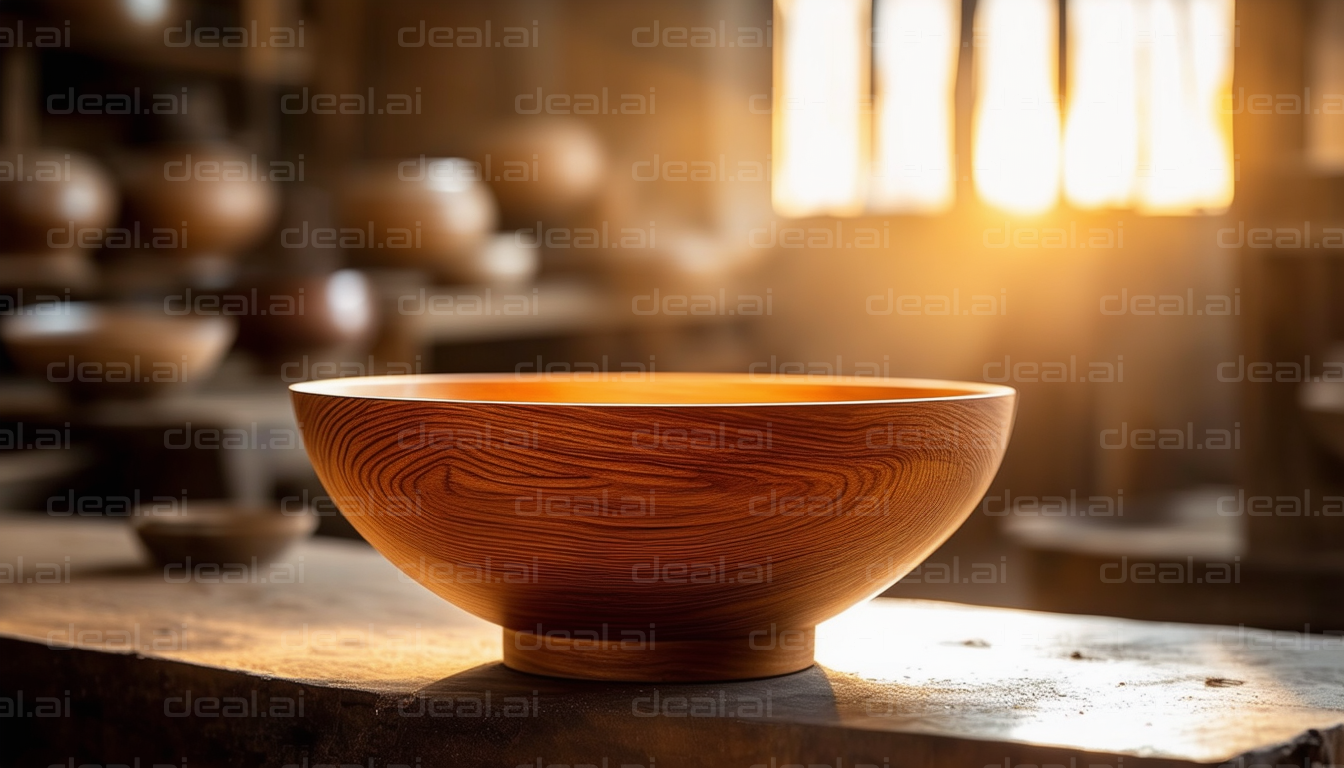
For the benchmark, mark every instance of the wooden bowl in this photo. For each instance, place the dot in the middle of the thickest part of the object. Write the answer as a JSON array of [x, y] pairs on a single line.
[[668, 527], [220, 533], [97, 350]]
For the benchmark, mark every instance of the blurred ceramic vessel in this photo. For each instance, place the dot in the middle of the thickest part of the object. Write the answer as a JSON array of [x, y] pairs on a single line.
[[283, 318], [220, 533], [655, 527], [433, 215], [117, 22], [545, 169], [120, 351], [53, 200], [198, 198]]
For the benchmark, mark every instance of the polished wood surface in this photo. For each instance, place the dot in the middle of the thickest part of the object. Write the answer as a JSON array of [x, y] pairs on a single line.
[[388, 674], [734, 511]]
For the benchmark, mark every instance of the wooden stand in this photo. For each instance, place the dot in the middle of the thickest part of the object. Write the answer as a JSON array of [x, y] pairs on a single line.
[[580, 658]]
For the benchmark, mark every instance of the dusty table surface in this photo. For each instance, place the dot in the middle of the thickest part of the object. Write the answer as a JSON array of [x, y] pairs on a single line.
[[334, 656]]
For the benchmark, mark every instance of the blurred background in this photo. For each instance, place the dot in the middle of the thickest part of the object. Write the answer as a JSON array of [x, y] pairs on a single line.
[[1129, 210]]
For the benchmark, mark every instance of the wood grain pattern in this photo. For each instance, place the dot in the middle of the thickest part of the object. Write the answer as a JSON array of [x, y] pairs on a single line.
[[618, 519]]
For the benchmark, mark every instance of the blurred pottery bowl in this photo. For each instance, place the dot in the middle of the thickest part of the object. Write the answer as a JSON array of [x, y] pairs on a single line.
[[1322, 403], [221, 533], [689, 264], [198, 198], [290, 316], [544, 170], [508, 258], [97, 350], [51, 199], [668, 527], [434, 215], [118, 22]]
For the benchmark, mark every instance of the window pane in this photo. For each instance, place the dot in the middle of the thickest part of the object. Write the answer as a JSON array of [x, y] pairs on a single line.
[[1185, 161], [916, 44], [1016, 127], [1101, 135], [821, 79]]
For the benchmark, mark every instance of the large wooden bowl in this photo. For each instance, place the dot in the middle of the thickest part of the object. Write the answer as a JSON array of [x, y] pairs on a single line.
[[675, 527]]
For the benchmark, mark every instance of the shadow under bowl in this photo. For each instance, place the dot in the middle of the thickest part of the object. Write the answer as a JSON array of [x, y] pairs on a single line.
[[667, 527], [221, 533]]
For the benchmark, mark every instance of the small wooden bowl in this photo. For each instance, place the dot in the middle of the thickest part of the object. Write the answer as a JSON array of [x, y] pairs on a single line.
[[220, 533], [97, 350], [668, 527]]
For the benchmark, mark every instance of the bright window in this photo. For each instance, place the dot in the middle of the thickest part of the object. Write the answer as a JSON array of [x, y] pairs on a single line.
[[1144, 126]]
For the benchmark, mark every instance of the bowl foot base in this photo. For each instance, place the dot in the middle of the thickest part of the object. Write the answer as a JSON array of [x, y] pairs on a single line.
[[763, 654]]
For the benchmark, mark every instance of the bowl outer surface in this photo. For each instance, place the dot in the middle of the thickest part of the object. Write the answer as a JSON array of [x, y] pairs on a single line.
[[703, 521]]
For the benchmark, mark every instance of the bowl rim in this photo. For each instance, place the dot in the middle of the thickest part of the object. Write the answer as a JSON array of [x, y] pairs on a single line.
[[971, 390]]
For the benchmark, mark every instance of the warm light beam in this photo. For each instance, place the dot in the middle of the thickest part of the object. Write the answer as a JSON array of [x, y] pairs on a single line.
[[820, 121], [916, 45], [1186, 161], [1101, 133], [1016, 122]]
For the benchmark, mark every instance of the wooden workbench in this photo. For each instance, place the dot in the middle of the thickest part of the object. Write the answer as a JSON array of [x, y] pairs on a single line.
[[334, 657]]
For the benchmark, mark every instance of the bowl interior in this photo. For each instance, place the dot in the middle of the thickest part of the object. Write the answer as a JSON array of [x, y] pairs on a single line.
[[662, 389]]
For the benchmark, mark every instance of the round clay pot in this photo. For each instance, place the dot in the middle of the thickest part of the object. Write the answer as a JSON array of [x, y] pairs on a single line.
[[285, 317], [50, 197], [213, 196], [117, 21], [546, 170], [431, 214]]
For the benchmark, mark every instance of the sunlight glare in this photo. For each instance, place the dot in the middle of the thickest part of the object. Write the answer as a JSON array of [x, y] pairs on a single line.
[[1101, 134], [1016, 123], [822, 63], [1186, 161], [915, 52]]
